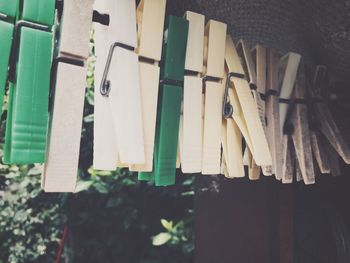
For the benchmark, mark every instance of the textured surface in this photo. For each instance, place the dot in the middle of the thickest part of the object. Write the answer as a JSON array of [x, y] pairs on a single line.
[[39, 11], [28, 110], [318, 29]]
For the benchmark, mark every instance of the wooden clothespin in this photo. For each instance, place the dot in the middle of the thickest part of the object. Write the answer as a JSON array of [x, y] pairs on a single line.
[[319, 149], [118, 125], [69, 81], [191, 128], [287, 71], [300, 133], [244, 110], [27, 119], [260, 59], [327, 124], [214, 62], [274, 133], [169, 102], [250, 68], [150, 25]]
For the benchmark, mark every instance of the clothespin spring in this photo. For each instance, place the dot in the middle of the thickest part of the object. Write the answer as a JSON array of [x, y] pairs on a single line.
[[227, 109], [105, 86]]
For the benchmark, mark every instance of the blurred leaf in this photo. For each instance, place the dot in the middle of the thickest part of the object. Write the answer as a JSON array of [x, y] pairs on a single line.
[[161, 239], [168, 225], [83, 185], [89, 118]]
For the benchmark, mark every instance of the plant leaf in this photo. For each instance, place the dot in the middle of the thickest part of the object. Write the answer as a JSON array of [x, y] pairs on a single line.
[[161, 239]]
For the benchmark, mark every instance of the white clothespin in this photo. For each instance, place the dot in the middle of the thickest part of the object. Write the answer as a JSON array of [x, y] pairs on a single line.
[[118, 113], [61, 167], [214, 55], [150, 21], [244, 108], [191, 130]]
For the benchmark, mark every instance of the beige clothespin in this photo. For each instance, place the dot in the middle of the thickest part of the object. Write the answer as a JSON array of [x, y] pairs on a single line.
[[214, 61], [118, 94], [63, 143], [244, 108], [191, 131], [150, 21]]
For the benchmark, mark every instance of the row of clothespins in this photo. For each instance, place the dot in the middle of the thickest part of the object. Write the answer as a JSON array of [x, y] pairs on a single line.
[[169, 93]]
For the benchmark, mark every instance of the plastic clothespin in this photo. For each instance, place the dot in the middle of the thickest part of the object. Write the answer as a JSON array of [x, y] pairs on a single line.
[[150, 25], [26, 127], [8, 12], [214, 63], [169, 102], [69, 81], [118, 126]]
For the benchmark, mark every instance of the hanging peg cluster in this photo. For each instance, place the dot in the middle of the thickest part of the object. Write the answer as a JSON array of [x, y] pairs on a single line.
[[170, 93]]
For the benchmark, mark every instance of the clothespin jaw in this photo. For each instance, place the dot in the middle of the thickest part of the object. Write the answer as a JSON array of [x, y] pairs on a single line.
[[247, 62], [150, 24]]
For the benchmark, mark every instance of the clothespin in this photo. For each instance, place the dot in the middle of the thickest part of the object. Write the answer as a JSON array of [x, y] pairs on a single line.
[[214, 63], [274, 133], [8, 12], [327, 124], [69, 79], [191, 130], [169, 101], [250, 68], [243, 107], [27, 120], [319, 149], [288, 67], [118, 125], [287, 71], [300, 134], [260, 59], [150, 25]]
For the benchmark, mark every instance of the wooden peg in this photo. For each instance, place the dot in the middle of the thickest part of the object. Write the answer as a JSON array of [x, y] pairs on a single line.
[[301, 133], [272, 113]]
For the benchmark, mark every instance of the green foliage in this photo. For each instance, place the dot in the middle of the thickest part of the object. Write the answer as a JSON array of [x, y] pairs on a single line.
[[29, 219]]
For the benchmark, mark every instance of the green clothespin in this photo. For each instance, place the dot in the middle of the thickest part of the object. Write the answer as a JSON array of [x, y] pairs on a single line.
[[9, 8], [8, 12], [27, 121], [169, 103]]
